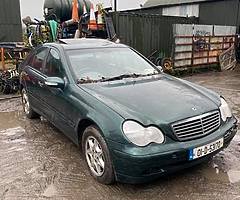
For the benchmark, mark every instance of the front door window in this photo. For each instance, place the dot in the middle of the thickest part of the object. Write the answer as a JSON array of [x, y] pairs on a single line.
[[53, 67], [38, 59]]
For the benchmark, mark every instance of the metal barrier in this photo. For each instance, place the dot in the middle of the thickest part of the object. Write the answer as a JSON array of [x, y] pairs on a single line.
[[201, 51], [147, 33]]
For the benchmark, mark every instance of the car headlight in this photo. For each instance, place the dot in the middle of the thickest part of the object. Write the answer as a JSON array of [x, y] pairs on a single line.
[[141, 136], [225, 110]]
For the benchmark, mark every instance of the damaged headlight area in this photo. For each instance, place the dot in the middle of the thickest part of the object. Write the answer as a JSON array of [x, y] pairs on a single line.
[[142, 136], [225, 110]]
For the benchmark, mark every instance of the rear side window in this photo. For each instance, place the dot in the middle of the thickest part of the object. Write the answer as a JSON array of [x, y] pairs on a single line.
[[53, 67], [38, 59]]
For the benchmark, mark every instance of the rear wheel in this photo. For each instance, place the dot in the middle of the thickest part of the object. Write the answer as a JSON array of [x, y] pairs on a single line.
[[30, 113], [97, 156]]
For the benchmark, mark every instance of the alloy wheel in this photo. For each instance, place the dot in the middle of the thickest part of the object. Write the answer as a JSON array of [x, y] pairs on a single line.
[[94, 155], [25, 102]]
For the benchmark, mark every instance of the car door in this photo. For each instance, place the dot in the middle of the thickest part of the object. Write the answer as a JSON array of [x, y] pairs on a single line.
[[34, 81], [58, 100]]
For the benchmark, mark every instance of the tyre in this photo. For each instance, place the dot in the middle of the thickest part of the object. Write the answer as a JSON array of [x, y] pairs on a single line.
[[167, 65], [6, 89], [30, 113], [1, 87], [97, 156]]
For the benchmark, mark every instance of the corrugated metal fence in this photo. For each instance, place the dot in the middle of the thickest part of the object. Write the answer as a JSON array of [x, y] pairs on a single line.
[[148, 33], [10, 21]]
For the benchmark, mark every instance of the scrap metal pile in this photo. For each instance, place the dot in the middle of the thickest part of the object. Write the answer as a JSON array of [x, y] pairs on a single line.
[[9, 81], [81, 22], [69, 19], [12, 54]]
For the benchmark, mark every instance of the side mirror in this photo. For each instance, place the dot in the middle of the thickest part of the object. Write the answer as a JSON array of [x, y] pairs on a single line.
[[55, 82], [160, 68]]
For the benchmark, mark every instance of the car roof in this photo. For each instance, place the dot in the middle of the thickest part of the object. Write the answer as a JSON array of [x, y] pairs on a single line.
[[86, 43]]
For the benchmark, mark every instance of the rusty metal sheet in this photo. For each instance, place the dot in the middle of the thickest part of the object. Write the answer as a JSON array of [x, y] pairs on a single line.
[[197, 45]]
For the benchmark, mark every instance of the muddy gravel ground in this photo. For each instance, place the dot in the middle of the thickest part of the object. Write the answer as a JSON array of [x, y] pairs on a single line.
[[39, 162]]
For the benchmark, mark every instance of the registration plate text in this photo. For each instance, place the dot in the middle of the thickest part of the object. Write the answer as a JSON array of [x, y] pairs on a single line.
[[206, 149]]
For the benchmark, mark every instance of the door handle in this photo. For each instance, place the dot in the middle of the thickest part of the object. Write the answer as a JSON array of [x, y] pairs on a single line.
[[40, 83]]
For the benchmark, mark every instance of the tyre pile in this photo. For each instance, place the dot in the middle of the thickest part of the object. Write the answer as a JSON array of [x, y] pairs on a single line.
[[9, 82]]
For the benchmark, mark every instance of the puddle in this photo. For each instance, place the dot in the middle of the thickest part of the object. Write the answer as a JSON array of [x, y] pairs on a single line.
[[14, 135], [14, 149], [10, 105], [236, 198], [219, 173], [18, 141], [9, 120], [49, 167], [234, 176], [32, 170], [12, 131], [214, 174], [50, 191], [237, 137]]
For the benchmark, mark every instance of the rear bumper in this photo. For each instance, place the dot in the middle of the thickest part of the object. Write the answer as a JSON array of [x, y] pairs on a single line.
[[144, 166]]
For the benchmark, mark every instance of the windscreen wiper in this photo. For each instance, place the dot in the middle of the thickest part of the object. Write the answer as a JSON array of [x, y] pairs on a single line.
[[83, 81], [120, 77]]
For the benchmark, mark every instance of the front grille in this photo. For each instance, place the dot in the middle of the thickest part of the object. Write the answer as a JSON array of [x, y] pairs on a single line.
[[197, 127]]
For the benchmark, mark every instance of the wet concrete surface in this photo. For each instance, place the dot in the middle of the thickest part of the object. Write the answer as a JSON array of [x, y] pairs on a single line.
[[39, 162]]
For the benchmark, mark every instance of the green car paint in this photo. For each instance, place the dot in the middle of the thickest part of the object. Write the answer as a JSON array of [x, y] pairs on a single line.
[[157, 100]]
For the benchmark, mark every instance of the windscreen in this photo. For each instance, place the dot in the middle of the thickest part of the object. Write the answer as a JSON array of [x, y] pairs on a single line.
[[106, 63]]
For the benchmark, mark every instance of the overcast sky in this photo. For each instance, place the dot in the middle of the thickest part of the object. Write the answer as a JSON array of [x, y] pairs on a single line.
[[34, 8]]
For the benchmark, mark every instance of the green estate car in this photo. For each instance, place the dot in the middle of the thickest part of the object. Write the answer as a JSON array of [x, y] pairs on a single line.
[[133, 122]]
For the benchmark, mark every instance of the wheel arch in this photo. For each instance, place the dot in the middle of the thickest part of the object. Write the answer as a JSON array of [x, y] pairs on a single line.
[[82, 125]]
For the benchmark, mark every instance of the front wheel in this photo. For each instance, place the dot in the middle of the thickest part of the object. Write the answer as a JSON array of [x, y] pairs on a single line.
[[97, 156], [30, 113]]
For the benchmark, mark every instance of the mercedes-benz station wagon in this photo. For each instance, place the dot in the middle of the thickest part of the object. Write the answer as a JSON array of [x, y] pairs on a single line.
[[133, 122]]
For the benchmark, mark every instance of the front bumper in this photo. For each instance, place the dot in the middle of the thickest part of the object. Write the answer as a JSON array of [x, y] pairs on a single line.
[[138, 165]]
